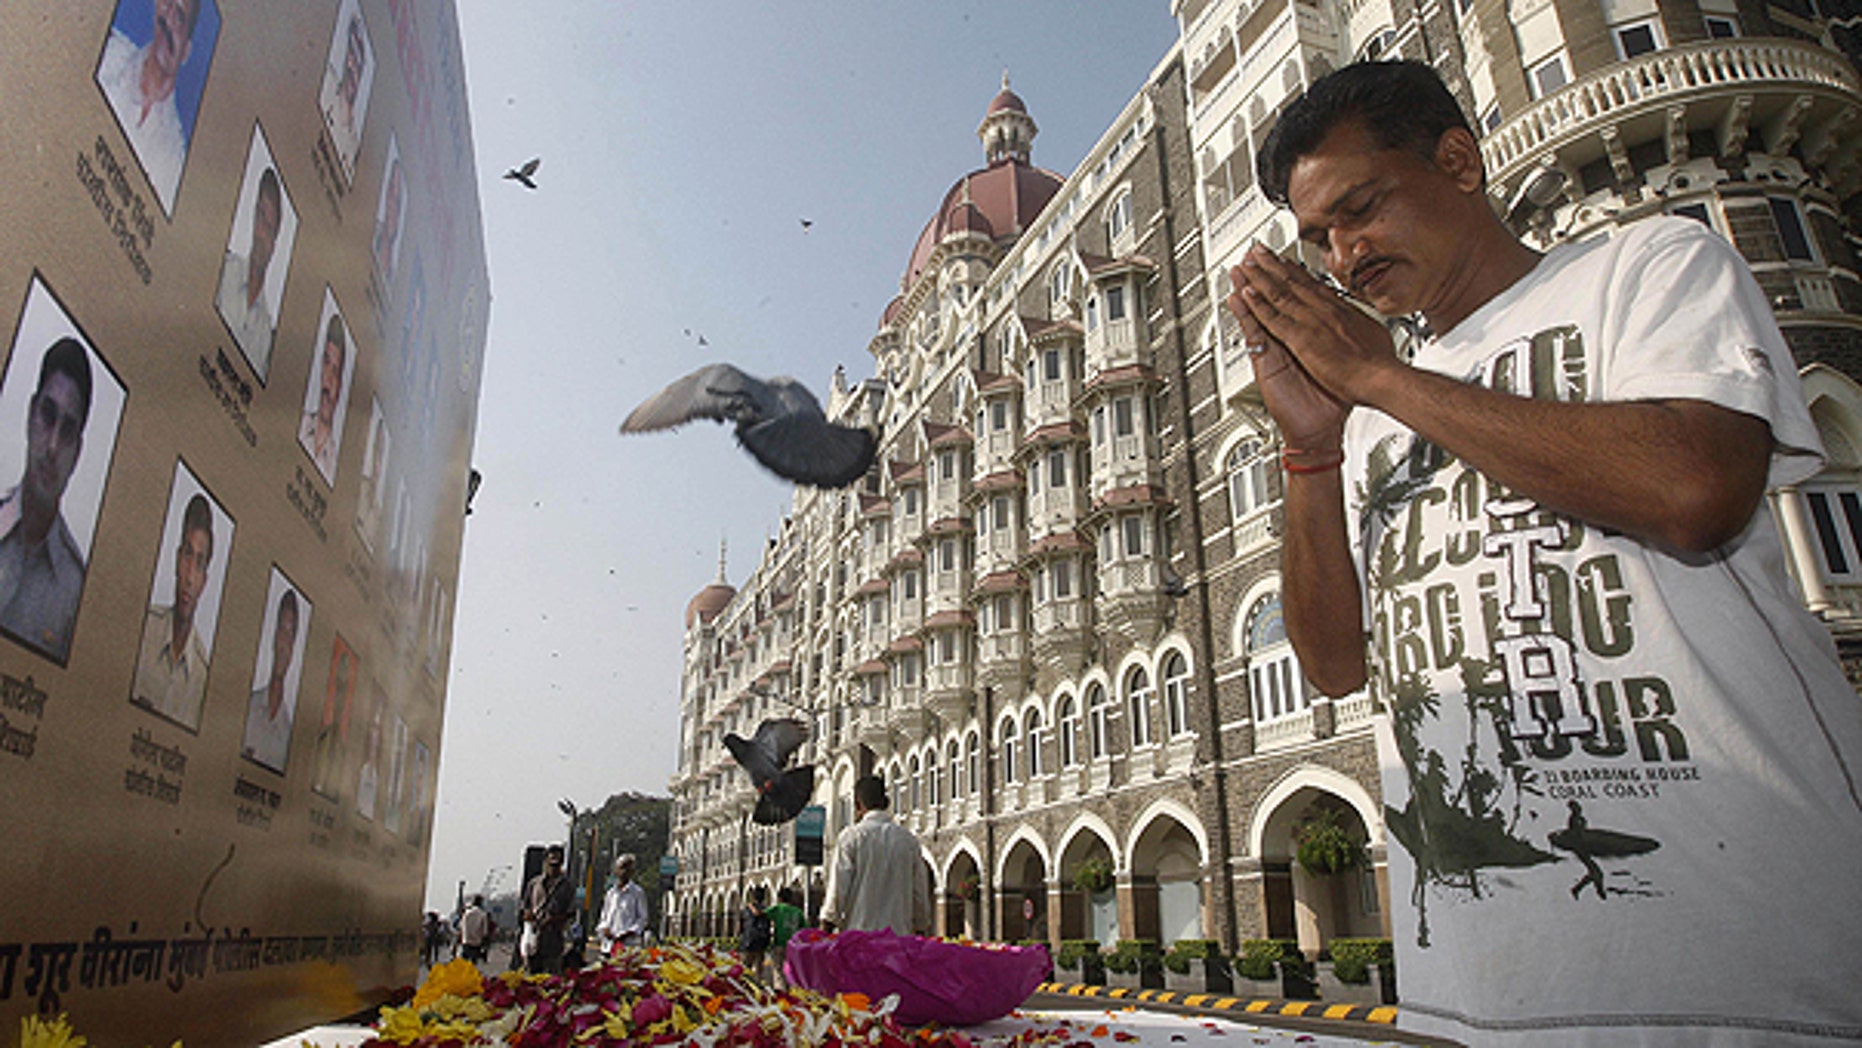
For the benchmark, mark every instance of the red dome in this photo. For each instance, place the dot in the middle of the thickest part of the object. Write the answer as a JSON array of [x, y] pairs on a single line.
[[1004, 196], [710, 600], [1007, 100]]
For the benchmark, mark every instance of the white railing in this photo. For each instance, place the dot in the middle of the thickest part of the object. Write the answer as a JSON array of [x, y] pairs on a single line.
[[1350, 712], [1818, 293], [1001, 647], [1254, 532], [951, 676], [1240, 218], [1053, 402], [946, 498], [1652, 80], [1116, 345], [1284, 732], [1058, 615], [998, 451]]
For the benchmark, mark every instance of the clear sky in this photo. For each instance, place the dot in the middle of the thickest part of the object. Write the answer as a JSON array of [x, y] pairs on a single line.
[[682, 145]]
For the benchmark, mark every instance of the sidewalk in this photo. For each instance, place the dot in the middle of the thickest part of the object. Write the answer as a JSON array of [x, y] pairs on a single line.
[[1362, 1021]]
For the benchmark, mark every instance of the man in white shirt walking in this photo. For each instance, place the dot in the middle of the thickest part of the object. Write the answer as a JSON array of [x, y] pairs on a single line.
[[474, 931], [878, 879], [624, 911]]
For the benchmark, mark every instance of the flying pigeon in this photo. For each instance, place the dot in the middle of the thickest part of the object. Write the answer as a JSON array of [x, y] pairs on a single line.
[[781, 794], [778, 421], [522, 174]]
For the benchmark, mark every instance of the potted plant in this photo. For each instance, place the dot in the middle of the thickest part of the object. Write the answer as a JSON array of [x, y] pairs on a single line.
[[1273, 968], [1197, 966], [1135, 964], [1324, 847], [1080, 959], [1094, 876], [1360, 971]]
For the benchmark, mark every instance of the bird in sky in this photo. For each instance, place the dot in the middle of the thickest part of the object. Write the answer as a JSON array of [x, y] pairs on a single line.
[[807, 224], [781, 793], [778, 421], [522, 174]]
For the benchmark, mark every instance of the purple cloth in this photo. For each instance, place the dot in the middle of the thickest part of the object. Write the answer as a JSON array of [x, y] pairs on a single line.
[[936, 981]]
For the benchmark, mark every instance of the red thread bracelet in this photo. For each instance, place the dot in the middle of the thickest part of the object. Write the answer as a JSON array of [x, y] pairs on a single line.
[[1335, 459]]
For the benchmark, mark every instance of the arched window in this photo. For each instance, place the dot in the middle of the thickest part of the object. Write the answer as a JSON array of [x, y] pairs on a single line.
[[954, 755], [1273, 669], [933, 795], [1250, 476], [973, 763], [1059, 283], [1176, 694], [1067, 725], [1138, 706], [918, 783], [897, 790], [1005, 744], [1118, 216], [1096, 710], [1031, 733]]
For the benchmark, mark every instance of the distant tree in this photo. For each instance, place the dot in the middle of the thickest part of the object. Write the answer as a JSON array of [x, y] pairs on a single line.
[[626, 822]]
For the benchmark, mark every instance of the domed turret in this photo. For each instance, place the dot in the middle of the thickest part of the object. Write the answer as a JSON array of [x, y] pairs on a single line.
[[1007, 130], [999, 200], [711, 600]]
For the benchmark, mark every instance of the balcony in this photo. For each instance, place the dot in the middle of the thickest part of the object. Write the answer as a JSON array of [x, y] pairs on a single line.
[[948, 689], [1786, 89], [1113, 344], [1286, 731], [1352, 711]]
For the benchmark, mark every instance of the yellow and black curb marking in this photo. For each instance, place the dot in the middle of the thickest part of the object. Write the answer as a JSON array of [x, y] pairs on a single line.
[[1215, 1002]]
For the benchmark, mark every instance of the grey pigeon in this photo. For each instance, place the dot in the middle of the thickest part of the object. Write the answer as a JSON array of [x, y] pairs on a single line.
[[781, 793], [523, 174], [778, 421]]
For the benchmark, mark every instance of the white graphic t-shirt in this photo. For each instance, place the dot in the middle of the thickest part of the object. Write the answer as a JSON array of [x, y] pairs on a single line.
[[1621, 781]]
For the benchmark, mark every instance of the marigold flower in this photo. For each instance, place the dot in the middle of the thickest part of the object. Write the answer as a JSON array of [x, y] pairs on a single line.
[[35, 1032]]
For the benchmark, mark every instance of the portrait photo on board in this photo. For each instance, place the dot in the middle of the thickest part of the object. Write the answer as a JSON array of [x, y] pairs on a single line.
[[152, 73], [339, 695], [258, 257], [326, 395], [60, 406], [390, 216], [368, 777], [184, 604], [397, 778], [275, 677], [348, 74], [417, 804], [373, 498]]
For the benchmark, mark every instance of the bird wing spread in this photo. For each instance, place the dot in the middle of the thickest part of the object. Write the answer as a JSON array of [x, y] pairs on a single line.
[[810, 450], [530, 166], [753, 758], [779, 739], [716, 391]]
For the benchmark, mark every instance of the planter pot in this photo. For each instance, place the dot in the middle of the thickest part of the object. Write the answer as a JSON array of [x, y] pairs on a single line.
[[1297, 983], [1333, 989], [1257, 989], [1146, 978], [1087, 974], [1204, 976]]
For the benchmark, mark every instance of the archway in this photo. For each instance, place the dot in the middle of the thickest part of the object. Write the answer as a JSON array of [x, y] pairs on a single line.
[[1316, 907], [1088, 913], [962, 907], [1021, 894], [1166, 882]]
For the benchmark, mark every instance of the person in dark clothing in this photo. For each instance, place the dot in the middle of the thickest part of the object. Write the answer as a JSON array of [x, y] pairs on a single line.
[[549, 902]]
